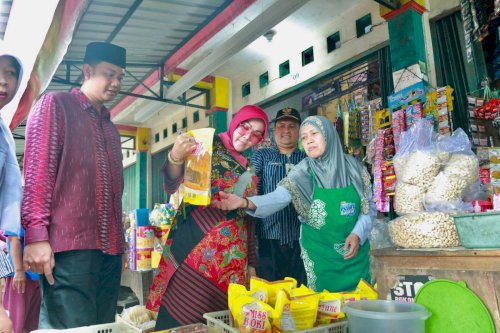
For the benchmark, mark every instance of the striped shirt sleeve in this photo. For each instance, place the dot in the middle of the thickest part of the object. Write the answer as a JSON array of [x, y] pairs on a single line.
[[257, 161]]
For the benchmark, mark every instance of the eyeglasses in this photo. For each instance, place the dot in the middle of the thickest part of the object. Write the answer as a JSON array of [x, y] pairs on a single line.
[[244, 128]]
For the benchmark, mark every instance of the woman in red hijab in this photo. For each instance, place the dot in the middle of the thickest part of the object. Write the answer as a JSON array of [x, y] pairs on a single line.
[[209, 248]]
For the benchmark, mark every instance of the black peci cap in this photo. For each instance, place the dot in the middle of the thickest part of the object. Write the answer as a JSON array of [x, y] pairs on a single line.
[[100, 51]]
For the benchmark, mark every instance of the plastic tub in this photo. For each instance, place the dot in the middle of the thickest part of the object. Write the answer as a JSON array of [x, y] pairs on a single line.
[[379, 316], [478, 230]]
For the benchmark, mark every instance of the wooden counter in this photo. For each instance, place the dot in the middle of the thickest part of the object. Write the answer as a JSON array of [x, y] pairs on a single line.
[[479, 269]]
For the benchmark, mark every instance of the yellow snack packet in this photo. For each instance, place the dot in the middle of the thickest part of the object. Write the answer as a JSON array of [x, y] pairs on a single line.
[[382, 119], [292, 280], [234, 291], [350, 296], [295, 313], [301, 291], [272, 288], [253, 316], [198, 168], [330, 307], [366, 291]]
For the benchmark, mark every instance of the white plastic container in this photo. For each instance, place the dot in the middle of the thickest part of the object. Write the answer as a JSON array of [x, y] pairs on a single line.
[[380, 316]]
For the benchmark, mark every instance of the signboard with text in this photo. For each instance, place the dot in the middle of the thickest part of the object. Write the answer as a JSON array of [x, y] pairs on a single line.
[[408, 286], [321, 95]]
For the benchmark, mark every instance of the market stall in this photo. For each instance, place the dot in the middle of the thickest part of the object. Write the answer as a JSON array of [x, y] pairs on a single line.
[[479, 269], [440, 188]]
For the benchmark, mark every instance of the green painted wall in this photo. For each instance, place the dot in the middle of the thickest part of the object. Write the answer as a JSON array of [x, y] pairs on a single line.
[[406, 39], [158, 194], [129, 189], [218, 120], [141, 180]]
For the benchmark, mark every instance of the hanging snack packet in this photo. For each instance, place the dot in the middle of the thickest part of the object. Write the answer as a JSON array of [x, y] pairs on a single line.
[[199, 168], [382, 119], [295, 313]]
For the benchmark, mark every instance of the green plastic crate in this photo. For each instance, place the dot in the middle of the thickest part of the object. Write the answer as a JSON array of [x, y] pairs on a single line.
[[478, 230]]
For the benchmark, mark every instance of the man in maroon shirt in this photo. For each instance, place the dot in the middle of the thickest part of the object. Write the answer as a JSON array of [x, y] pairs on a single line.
[[71, 209]]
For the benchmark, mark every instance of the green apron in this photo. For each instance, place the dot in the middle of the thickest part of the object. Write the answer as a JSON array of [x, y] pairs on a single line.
[[332, 217]]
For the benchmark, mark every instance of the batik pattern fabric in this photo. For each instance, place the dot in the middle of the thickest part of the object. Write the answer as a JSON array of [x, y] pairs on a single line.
[[208, 250]]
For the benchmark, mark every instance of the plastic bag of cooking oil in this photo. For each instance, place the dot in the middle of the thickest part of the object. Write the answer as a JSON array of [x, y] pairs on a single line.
[[272, 287], [295, 313], [198, 168], [252, 316], [330, 308]]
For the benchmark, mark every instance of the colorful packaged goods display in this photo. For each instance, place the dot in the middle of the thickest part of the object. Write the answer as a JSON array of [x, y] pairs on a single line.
[[413, 113], [382, 119], [409, 96], [444, 106], [132, 255], [145, 236], [354, 124], [162, 217], [398, 126], [482, 112], [365, 125], [281, 306], [383, 169], [488, 111], [144, 246], [489, 170], [359, 122], [494, 157], [146, 242], [381, 200]]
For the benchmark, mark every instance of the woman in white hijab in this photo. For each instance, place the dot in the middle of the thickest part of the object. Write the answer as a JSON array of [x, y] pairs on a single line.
[[331, 191], [10, 176]]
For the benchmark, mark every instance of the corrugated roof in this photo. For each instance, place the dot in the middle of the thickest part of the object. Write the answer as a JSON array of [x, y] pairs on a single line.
[[5, 7], [150, 30]]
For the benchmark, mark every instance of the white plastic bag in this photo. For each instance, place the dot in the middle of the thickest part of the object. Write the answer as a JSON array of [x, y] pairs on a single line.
[[416, 159], [424, 230]]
